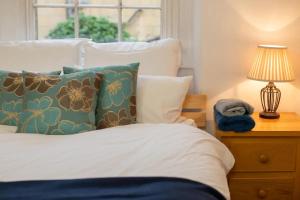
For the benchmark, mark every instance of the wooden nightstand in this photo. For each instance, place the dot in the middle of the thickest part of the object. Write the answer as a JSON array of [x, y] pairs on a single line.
[[194, 108], [267, 159]]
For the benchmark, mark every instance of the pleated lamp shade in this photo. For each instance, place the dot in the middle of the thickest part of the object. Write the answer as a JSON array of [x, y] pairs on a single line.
[[272, 64]]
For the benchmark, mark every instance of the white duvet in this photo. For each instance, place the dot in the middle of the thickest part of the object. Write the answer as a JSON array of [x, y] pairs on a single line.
[[170, 150]]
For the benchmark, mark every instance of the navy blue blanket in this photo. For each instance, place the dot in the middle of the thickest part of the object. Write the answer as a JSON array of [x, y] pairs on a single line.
[[142, 188], [241, 123]]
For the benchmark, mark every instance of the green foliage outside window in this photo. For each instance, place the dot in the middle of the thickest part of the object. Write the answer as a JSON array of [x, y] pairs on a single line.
[[99, 29]]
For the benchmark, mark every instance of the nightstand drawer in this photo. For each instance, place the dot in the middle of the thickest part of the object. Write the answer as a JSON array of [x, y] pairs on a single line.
[[252, 189], [257, 155]]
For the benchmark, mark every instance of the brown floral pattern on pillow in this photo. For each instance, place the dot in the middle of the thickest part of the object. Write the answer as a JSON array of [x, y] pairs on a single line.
[[133, 106], [76, 95], [98, 80], [14, 83], [40, 83], [116, 99], [68, 107], [112, 119]]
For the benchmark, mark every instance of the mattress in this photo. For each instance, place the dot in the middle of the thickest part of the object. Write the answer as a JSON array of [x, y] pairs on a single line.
[[139, 150]]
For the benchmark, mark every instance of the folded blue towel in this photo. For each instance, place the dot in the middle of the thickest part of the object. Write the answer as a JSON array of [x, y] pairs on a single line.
[[233, 107], [241, 123]]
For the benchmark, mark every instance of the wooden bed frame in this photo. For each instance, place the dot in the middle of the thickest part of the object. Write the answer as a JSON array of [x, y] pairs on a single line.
[[194, 107]]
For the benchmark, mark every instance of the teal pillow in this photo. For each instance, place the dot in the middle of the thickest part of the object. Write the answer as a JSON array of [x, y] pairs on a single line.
[[11, 96], [59, 105], [117, 96]]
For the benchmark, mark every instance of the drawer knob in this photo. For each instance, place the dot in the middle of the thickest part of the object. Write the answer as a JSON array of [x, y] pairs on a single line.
[[263, 158], [262, 194]]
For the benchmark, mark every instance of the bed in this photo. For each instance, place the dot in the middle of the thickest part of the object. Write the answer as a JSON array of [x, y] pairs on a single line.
[[144, 161], [163, 156], [141, 150]]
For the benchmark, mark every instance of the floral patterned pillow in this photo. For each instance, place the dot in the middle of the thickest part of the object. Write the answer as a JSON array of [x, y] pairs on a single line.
[[117, 97], [59, 105], [11, 96]]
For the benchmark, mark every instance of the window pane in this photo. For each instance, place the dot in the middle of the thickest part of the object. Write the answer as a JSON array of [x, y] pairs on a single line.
[[104, 2], [100, 25], [54, 1], [141, 25], [54, 23], [141, 2]]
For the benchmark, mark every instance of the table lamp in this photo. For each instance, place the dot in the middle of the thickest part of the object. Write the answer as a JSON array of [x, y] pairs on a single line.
[[272, 65]]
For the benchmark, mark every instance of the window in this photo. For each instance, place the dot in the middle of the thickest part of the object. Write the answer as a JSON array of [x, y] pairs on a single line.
[[99, 20]]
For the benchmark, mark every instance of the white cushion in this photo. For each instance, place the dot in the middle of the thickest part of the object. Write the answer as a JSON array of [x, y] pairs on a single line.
[[39, 55], [161, 57], [160, 98]]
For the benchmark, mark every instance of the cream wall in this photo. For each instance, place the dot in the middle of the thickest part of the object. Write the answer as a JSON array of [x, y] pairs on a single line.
[[226, 33], [12, 20]]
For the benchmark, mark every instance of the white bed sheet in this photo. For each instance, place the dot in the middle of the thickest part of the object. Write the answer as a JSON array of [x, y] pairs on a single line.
[[169, 150]]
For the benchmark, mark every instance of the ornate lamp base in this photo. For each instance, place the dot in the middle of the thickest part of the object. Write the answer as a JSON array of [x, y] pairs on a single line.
[[270, 98], [269, 115]]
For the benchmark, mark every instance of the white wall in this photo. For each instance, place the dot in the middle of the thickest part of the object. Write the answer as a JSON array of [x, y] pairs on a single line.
[[226, 33], [12, 20]]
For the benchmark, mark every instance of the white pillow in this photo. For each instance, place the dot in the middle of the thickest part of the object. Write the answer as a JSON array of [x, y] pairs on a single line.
[[40, 55], [160, 98], [161, 57]]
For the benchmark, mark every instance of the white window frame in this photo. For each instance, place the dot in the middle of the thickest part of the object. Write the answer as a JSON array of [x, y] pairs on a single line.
[[169, 16]]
